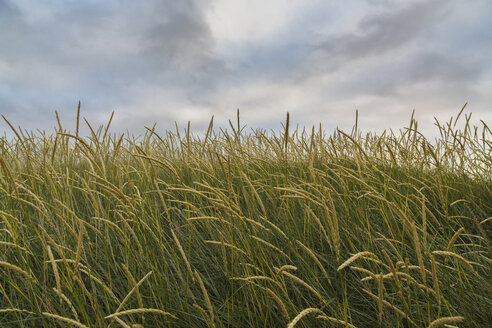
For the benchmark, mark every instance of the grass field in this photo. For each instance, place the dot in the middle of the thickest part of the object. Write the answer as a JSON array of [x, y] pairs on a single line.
[[247, 229]]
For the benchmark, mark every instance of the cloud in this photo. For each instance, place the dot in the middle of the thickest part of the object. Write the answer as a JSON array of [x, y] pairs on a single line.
[[387, 65], [58, 52], [166, 61]]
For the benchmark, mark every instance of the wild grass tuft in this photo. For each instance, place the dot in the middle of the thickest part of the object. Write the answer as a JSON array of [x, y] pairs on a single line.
[[246, 229]]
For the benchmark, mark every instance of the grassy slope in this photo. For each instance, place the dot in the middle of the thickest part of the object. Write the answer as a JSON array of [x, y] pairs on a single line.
[[246, 230]]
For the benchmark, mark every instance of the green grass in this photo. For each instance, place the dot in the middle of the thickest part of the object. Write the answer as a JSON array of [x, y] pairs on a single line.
[[236, 229]]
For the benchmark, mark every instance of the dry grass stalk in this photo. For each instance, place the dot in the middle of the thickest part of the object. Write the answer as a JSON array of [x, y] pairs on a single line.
[[416, 242], [279, 301], [134, 284], [255, 193], [215, 242], [456, 256], [64, 319], [302, 282], [55, 268], [454, 238], [264, 242], [65, 298], [334, 229], [180, 248], [204, 314], [390, 244], [257, 278], [207, 299], [380, 297], [371, 274], [209, 218], [355, 257], [445, 320], [285, 267], [16, 310], [100, 283], [79, 243], [388, 304], [401, 264], [314, 257], [302, 314], [275, 227], [322, 228], [408, 277], [14, 268], [424, 222], [486, 220], [122, 323], [141, 310], [134, 289], [335, 320], [435, 280], [395, 279]]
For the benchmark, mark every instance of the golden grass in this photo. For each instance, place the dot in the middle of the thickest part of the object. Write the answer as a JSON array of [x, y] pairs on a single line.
[[335, 320], [207, 299], [64, 320], [137, 311], [453, 239], [302, 314], [456, 256], [14, 268], [239, 228], [354, 257], [445, 320]]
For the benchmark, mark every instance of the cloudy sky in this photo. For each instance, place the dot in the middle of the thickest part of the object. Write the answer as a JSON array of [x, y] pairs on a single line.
[[165, 61]]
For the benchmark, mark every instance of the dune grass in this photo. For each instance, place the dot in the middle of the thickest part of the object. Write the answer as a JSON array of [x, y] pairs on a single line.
[[247, 229]]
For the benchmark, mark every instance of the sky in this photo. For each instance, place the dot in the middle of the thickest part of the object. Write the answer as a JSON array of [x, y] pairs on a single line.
[[166, 61]]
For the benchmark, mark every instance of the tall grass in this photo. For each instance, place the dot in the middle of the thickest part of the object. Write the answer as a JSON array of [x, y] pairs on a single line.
[[236, 229]]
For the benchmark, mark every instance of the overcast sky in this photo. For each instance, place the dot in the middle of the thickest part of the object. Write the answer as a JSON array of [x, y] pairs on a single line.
[[165, 61]]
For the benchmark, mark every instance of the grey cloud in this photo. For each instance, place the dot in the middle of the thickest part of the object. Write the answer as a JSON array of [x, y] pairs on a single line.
[[398, 48], [429, 55], [445, 70], [98, 52], [444, 67], [8, 12], [158, 61], [181, 38], [384, 32], [399, 34]]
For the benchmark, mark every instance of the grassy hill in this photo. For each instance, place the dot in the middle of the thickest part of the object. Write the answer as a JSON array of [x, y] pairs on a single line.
[[247, 229]]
